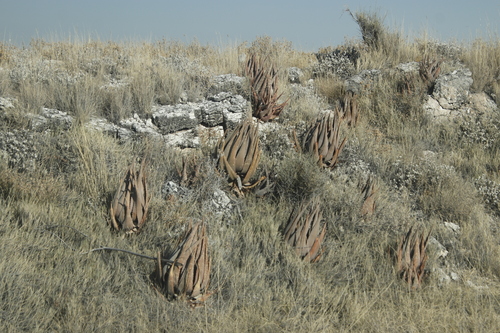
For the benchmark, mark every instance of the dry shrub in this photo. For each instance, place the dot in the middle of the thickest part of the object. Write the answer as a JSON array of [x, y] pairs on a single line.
[[129, 208], [303, 231], [411, 257], [483, 59], [187, 273], [330, 87]]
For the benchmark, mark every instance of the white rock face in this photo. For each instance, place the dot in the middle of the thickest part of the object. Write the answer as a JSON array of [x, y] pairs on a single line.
[[5, 103], [452, 90]]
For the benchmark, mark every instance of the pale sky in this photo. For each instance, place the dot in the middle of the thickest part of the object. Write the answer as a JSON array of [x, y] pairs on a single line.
[[309, 25]]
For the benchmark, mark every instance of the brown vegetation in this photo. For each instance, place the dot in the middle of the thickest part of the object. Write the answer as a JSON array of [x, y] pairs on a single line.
[[322, 139], [187, 275], [411, 257], [263, 79], [129, 207], [239, 154], [303, 231]]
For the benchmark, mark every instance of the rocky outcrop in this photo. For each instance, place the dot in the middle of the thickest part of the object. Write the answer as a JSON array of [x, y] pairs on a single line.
[[452, 97], [221, 109], [452, 89], [359, 82]]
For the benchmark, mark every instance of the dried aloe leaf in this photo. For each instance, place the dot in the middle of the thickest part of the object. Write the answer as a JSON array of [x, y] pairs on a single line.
[[187, 274], [369, 198], [411, 257], [322, 139], [263, 79], [130, 205], [303, 231], [239, 154]]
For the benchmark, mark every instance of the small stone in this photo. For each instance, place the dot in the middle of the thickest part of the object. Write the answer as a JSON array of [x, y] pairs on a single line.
[[452, 226]]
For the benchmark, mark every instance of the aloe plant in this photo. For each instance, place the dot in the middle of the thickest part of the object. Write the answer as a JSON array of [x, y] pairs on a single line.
[[322, 139], [411, 257], [129, 207], [264, 85], [186, 275], [303, 231], [239, 154]]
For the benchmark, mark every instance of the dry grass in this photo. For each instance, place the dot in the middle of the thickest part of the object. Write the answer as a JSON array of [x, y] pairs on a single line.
[[427, 174]]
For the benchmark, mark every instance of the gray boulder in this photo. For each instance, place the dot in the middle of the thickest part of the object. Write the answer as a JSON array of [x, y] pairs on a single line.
[[51, 119], [227, 83], [6, 103], [141, 126], [358, 82], [295, 75], [452, 89], [174, 118]]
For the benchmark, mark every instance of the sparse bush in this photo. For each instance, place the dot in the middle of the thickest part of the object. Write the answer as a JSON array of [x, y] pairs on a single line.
[[340, 62], [375, 35]]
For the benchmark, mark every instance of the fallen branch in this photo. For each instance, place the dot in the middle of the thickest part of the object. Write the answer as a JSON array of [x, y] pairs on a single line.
[[103, 248]]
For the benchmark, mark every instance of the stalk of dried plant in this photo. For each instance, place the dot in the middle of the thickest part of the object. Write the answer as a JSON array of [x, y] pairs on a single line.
[[429, 71], [369, 192], [411, 257], [129, 207], [322, 140], [303, 231], [266, 186], [349, 107], [264, 85], [192, 176], [239, 154], [187, 274]]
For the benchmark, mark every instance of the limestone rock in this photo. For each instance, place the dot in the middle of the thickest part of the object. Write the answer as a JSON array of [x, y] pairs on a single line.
[[108, 128], [409, 67], [435, 110], [437, 249], [227, 83], [171, 190], [452, 89], [138, 125], [173, 118], [6, 103], [183, 139], [295, 75], [357, 83], [51, 119], [482, 103]]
